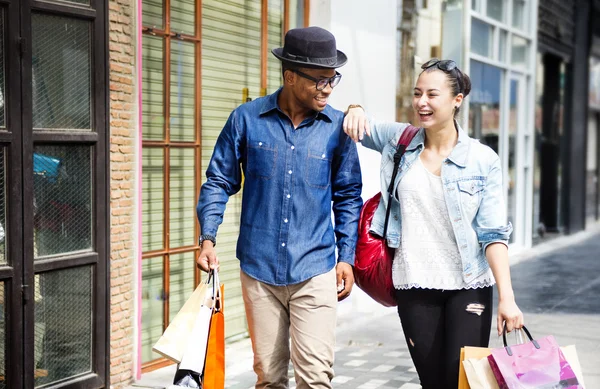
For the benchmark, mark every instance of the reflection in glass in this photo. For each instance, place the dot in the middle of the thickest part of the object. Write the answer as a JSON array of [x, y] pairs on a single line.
[[481, 38], [183, 16], [153, 122], [181, 281], [3, 226], [513, 122], [2, 80], [502, 46], [153, 296], [63, 324], [537, 171], [519, 49], [183, 197], [152, 198], [62, 202], [61, 50], [2, 338], [518, 14], [183, 88], [484, 108], [495, 9]]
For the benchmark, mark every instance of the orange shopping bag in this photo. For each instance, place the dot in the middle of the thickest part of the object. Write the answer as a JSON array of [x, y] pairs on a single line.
[[214, 367]]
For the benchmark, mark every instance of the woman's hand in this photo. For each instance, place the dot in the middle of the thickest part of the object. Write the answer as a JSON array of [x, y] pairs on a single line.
[[356, 123], [509, 312]]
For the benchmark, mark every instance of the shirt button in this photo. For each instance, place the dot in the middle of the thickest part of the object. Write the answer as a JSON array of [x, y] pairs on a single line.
[[288, 196], [283, 245], [285, 220], [293, 147], [323, 156], [289, 172], [260, 143]]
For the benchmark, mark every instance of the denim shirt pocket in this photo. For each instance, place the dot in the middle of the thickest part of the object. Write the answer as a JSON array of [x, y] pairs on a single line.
[[261, 160], [318, 169], [471, 191]]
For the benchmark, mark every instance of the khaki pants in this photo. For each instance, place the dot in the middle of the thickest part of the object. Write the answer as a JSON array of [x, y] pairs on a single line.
[[304, 312]]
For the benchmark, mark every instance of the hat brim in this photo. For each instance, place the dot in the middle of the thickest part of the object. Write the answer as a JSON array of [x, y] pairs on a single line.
[[341, 60]]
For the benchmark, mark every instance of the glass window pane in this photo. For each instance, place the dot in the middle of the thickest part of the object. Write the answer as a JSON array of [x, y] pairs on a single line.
[[296, 13], [275, 40], [519, 49], [183, 88], [153, 117], [183, 16], [502, 46], [181, 281], [519, 14], [153, 297], [153, 182], [484, 107], [63, 324], [3, 226], [481, 38], [2, 80], [495, 9], [61, 73], [62, 201], [152, 13], [183, 197], [2, 339], [513, 122]]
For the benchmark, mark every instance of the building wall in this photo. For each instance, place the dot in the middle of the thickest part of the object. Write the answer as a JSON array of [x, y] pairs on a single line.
[[123, 168]]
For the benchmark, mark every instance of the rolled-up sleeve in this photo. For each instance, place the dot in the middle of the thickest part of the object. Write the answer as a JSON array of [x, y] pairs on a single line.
[[490, 222], [347, 201], [381, 133]]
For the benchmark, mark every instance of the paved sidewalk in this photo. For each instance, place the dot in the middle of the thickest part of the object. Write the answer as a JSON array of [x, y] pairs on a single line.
[[557, 286]]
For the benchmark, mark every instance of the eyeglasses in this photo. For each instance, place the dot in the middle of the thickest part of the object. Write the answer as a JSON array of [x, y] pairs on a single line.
[[321, 83], [445, 65]]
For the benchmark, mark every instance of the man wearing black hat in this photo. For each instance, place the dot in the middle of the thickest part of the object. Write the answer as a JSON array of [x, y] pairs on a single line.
[[297, 165]]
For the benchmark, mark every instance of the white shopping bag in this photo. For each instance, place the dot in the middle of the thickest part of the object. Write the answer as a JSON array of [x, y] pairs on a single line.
[[174, 341]]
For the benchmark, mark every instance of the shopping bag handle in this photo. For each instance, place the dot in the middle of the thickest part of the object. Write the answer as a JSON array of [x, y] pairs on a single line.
[[524, 329], [213, 275]]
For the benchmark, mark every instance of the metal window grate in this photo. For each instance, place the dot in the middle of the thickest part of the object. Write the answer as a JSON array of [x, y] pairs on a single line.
[[2, 339], [63, 324], [62, 199], [2, 86], [61, 73], [3, 225]]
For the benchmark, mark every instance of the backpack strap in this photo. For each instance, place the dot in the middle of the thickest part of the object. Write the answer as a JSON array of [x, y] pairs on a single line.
[[407, 136]]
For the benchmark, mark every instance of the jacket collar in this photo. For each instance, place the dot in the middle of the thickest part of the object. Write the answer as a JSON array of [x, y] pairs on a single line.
[[270, 104], [459, 154]]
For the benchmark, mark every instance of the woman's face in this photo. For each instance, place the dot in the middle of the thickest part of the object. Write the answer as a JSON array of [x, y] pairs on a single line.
[[433, 101]]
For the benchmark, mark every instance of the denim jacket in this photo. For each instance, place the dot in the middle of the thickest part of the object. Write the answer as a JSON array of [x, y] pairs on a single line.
[[472, 181]]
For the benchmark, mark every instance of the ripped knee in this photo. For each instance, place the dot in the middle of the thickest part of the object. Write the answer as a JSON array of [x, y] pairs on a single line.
[[475, 308]]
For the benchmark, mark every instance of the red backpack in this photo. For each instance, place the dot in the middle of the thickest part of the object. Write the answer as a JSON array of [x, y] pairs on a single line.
[[373, 261]]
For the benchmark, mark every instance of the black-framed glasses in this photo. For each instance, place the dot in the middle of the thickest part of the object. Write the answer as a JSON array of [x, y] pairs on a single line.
[[321, 83], [445, 65]]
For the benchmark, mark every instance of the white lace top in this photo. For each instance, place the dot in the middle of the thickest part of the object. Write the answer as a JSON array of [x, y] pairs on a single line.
[[428, 255]]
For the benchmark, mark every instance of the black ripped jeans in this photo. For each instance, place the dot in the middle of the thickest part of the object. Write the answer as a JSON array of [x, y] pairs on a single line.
[[438, 323]]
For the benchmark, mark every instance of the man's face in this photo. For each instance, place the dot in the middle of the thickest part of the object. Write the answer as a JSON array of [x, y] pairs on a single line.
[[305, 90]]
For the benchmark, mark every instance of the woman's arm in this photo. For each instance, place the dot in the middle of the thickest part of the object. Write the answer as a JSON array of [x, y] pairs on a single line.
[[508, 311], [370, 133]]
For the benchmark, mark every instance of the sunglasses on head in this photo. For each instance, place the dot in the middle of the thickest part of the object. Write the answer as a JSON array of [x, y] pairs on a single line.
[[445, 65]]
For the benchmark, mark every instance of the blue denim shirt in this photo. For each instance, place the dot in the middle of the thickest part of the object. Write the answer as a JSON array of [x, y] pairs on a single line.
[[290, 177], [472, 181]]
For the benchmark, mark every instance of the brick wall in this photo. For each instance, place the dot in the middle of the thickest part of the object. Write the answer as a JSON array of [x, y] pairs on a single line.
[[122, 164]]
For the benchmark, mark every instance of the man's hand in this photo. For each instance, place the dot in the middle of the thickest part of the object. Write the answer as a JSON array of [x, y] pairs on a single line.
[[208, 257], [345, 279]]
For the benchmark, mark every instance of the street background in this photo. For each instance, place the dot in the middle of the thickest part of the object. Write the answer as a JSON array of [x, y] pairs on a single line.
[[556, 284]]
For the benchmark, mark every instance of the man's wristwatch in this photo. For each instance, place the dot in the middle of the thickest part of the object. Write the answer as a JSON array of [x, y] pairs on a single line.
[[202, 238]]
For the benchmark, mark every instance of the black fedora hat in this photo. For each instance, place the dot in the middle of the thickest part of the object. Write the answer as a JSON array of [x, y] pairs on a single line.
[[311, 47]]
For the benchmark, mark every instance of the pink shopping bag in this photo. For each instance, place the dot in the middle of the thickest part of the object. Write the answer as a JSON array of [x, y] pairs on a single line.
[[538, 364]]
